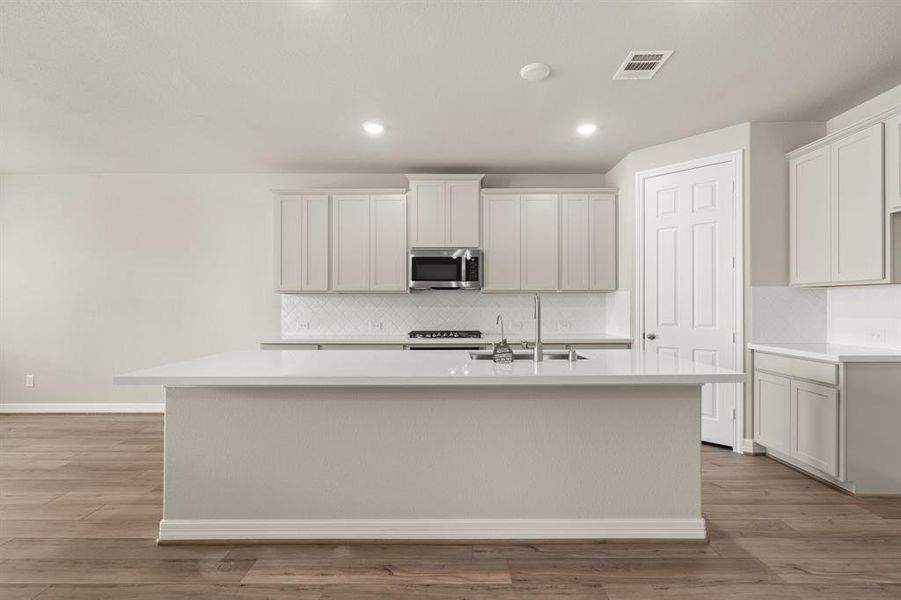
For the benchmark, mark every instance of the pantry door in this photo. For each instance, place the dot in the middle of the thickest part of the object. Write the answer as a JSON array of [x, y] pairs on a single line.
[[689, 286]]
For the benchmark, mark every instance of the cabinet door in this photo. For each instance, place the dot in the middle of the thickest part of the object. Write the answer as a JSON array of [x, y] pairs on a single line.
[[289, 254], [772, 411], [814, 419], [462, 210], [428, 225], [539, 215], [858, 209], [315, 244], [893, 162], [810, 232], [350, 242], [302, 243], [575, 246], [502, 242], [388, 243], [602, 241]]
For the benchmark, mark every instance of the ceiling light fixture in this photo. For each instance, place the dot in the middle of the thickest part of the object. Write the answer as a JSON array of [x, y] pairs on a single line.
[[535, 72], [373, 127], [586, 129]]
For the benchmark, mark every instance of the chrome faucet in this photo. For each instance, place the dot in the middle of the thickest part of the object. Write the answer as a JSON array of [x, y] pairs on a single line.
[[538, 351]]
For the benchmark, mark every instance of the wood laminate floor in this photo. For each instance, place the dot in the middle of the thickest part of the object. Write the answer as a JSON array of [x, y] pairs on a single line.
[[81, 500]]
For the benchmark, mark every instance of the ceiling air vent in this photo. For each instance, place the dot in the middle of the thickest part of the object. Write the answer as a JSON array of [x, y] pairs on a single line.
[[642, 64]]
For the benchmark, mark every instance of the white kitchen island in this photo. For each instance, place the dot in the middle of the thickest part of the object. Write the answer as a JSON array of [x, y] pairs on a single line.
[[431, 445]]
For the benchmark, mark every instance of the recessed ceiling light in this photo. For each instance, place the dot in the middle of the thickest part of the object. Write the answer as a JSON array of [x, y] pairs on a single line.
[[535, 72], [373, 127], [586, 128]]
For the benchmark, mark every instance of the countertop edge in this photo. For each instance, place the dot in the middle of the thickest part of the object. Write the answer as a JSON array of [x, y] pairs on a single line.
[[826, 356]]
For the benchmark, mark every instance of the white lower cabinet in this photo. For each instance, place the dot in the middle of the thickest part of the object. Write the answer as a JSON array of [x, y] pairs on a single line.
[[814, 419], [772, 411], [794, 416]]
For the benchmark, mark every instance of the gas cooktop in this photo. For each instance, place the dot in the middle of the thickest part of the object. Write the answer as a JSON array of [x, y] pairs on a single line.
[[446, 333]]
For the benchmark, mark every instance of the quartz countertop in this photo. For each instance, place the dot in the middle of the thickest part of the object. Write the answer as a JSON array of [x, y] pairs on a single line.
[[347, 368], [488, 338], [836, 353]]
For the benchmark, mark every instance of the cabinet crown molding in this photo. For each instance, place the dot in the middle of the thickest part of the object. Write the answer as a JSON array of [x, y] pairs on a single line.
[[551, 190], [330, 191], [444, 176], [835, 135]]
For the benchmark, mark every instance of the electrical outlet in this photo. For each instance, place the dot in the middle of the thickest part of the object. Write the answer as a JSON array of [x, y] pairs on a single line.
[[564, 324], [29, 381], [376, 325], [303, 325]]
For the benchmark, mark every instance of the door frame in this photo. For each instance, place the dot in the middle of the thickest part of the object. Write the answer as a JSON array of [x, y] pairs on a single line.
[[736, 159]]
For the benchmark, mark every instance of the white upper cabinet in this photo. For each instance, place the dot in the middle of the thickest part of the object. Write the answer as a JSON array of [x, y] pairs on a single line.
[[369, 246], [810, 231], [301, 243], [841, 189], [538, 238], [858, 209], [549, 240], [350, 242], [502, 245], [588, 245], [893, 162], [388, 243], [444, 211]]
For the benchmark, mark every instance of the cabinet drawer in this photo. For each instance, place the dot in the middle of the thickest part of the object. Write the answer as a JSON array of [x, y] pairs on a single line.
[[797, 367]]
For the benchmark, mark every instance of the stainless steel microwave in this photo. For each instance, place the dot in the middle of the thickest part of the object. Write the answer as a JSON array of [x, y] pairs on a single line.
[[445, 269]]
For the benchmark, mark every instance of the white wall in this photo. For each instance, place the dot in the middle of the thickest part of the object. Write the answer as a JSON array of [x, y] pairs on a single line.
[[106, 273]]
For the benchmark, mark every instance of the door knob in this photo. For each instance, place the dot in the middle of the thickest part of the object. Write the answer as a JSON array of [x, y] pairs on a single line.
[[651, 336]]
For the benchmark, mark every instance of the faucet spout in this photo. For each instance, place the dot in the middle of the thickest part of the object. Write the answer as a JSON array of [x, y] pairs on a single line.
[[538, 351]]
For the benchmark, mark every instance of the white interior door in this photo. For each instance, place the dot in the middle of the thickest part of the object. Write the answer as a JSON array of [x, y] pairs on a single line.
[[689, 292]]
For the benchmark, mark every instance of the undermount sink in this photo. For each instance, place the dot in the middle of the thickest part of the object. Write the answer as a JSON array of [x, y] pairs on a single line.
[[550, 355]]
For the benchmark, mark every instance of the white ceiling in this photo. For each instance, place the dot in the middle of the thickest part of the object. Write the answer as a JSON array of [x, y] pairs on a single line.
[[284, 86]]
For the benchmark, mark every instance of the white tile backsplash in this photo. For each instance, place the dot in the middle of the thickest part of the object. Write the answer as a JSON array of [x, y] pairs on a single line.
[[865, 316], [397, 314], [787, 314]]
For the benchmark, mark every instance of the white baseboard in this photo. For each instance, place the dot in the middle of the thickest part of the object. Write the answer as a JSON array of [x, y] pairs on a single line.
[[435, 529], [95, 407], [749, 446]]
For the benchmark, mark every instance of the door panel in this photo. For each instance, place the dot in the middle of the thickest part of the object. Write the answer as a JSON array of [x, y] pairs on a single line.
[[539, 215], [772, 411], [602, 241], [501, 224], [858, 210], [689, 292], [893, 162], [350, 242], [428, 214], [290, 243], [815, 425], [575, 273], [316, 230], [462, 214], [388, 243], [809, 215]]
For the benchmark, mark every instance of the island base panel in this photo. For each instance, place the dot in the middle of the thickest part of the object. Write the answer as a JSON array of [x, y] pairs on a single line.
[[432, 463]]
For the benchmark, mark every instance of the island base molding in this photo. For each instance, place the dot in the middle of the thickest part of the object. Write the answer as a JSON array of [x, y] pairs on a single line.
[[430, 529]]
